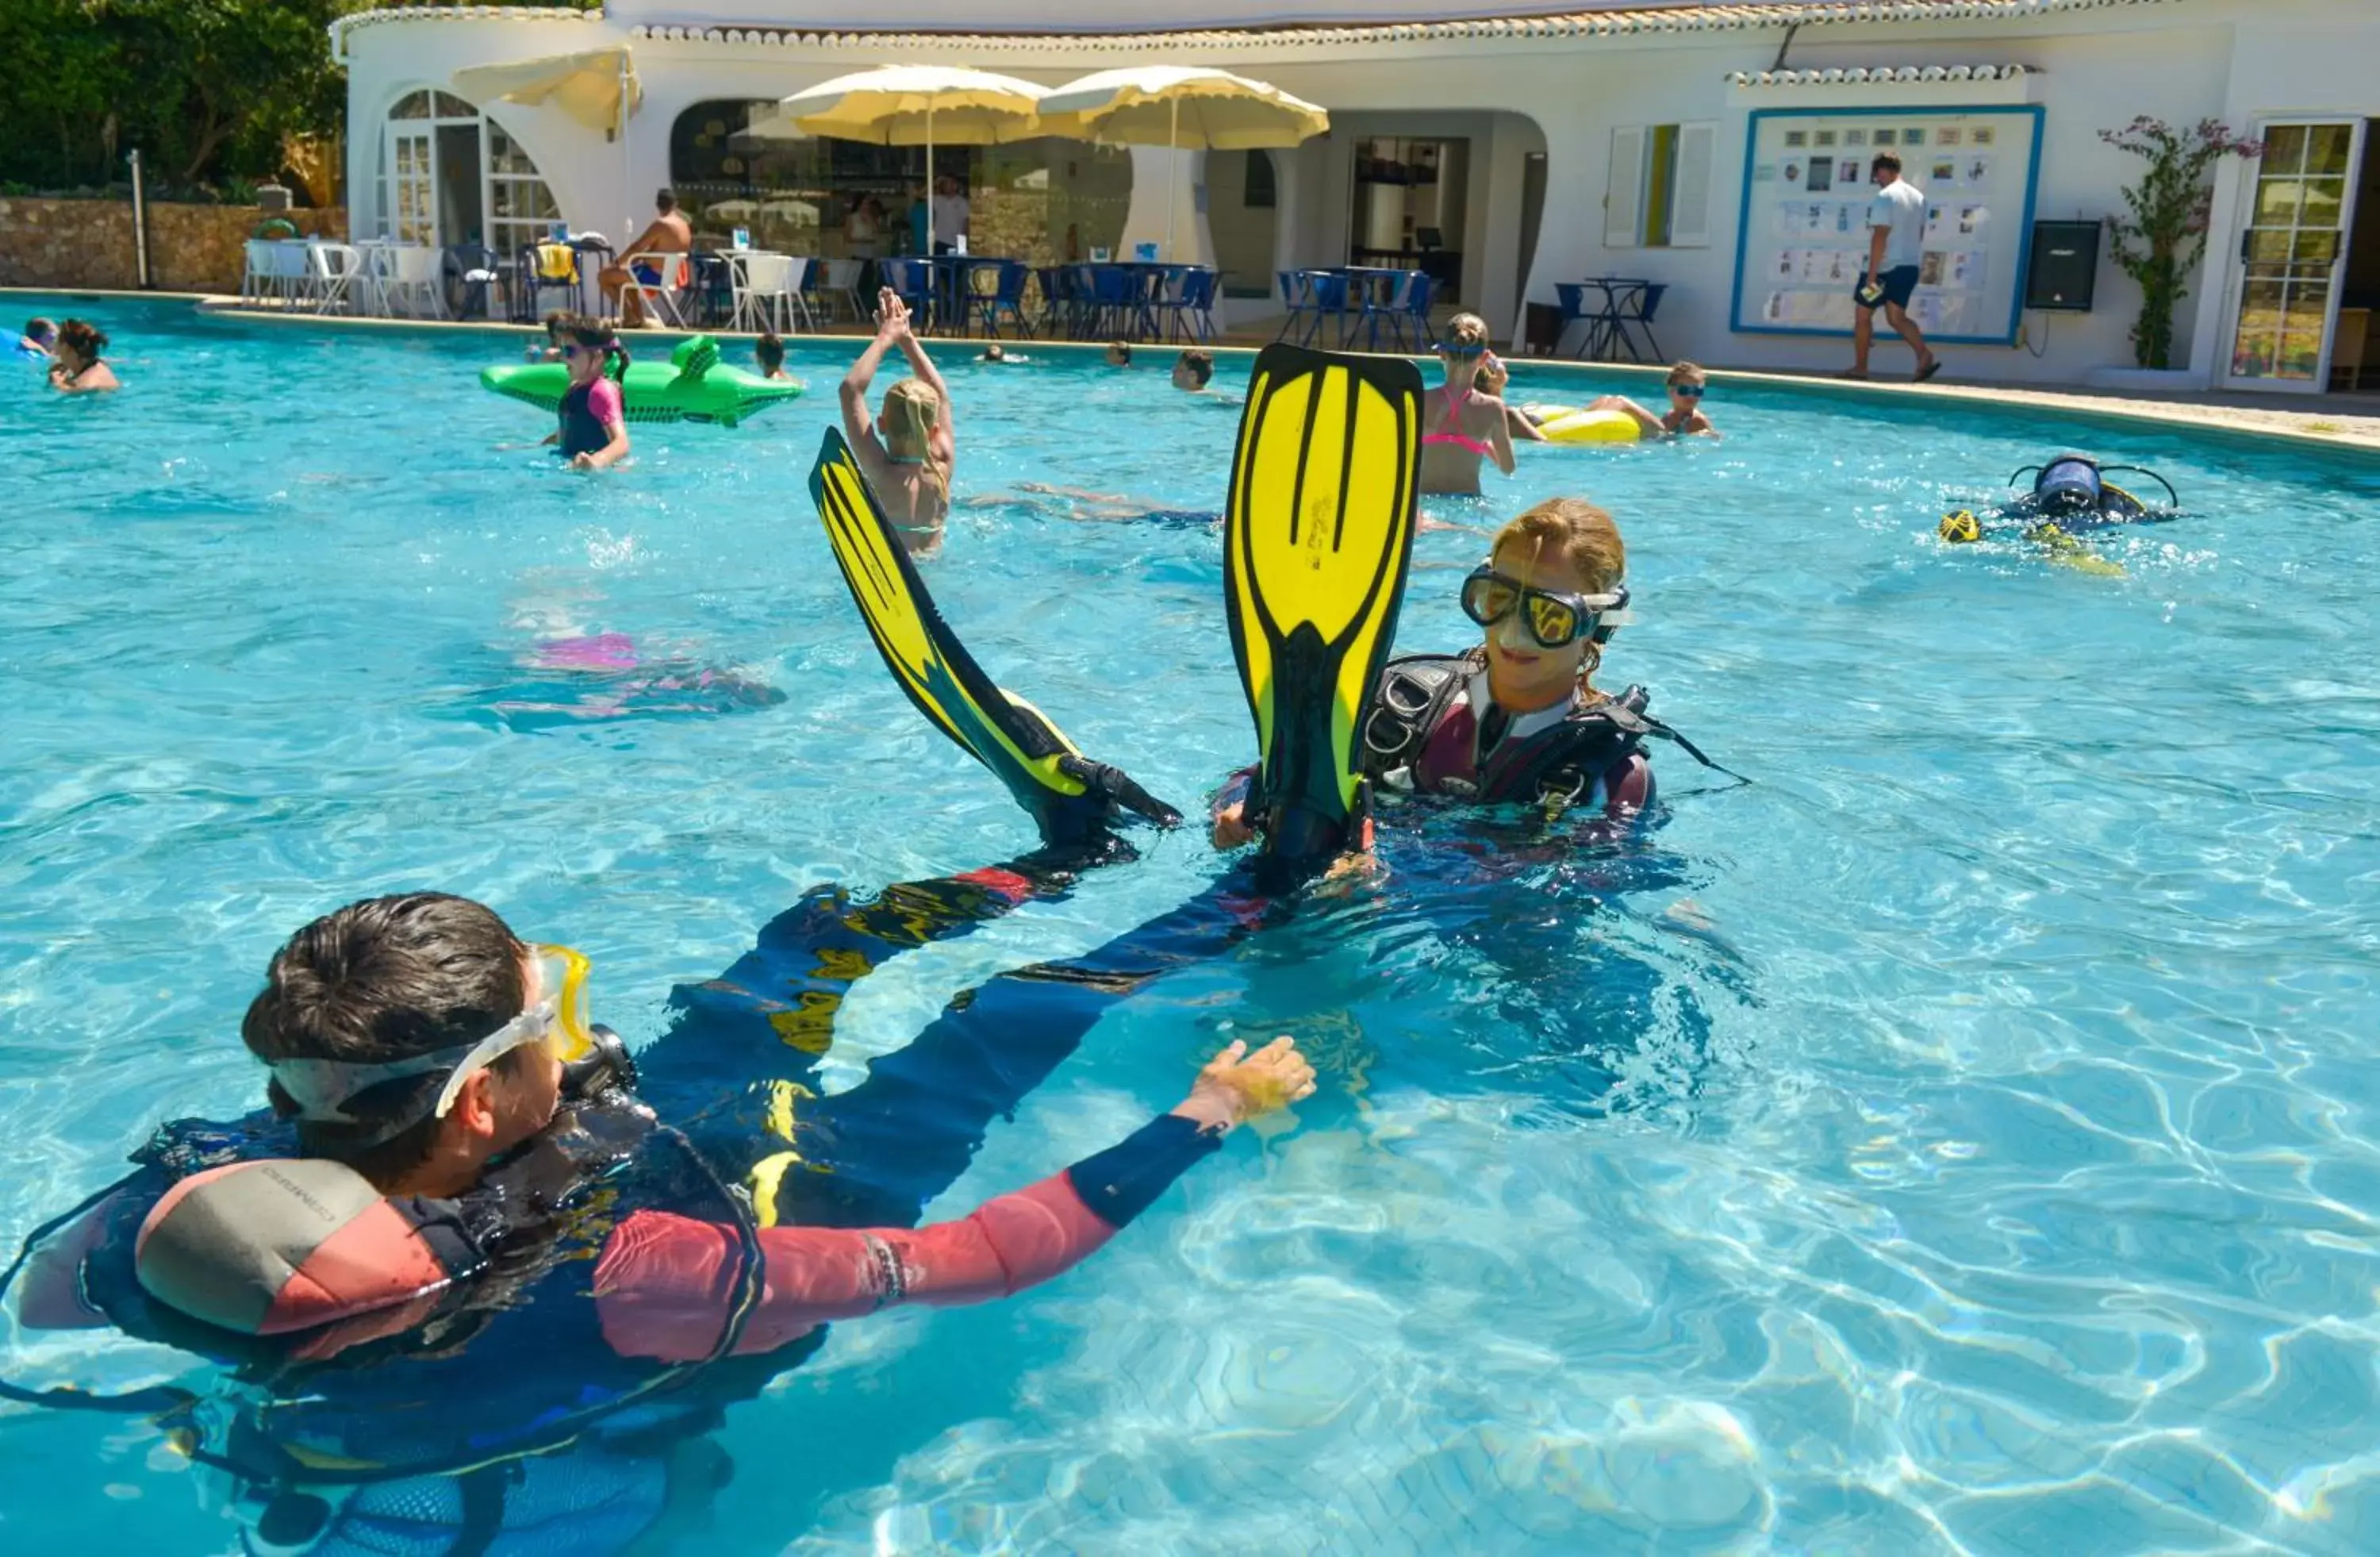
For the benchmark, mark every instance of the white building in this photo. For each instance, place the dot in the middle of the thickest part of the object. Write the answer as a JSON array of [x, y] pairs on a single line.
[[1705, 148]]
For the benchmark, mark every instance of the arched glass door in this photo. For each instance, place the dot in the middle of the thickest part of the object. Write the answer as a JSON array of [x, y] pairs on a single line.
[[449, 175]]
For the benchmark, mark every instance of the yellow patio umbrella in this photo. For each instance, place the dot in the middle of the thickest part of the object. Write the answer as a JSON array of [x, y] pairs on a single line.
[[598, 88], [1185, 107], [919, 105]]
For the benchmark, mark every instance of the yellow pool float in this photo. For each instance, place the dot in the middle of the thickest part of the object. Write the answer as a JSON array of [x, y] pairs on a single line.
[[1571, 424]]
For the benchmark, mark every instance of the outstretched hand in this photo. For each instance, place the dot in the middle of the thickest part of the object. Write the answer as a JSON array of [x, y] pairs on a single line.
[[1236, 1086], [892, 316]]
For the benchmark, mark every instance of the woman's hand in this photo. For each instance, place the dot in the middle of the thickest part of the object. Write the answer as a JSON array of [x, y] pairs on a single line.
[[892, 316], [1236, 1086]]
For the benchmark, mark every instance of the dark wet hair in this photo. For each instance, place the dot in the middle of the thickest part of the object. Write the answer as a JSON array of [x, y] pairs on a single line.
[[88, 339], [555, 321], [382, 980], [587, 330], [664, 201], [770, 351], [41, 330], [1883, 159], [1200, 363], [1122, 352]]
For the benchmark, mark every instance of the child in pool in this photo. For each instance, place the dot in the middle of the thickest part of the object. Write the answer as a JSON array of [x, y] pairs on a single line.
[[1119, 355], [906, 451], [594, 430], [39, 341], [78, 370], [1684, 417], [1493, 377], [550, 348], [1467, 426], [1193, 370], [769, 355]]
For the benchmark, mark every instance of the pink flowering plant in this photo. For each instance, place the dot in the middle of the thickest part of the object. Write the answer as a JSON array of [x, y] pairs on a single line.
[[2165, 236]]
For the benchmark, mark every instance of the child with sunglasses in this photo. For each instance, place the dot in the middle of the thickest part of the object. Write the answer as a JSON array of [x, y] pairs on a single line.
[[1517, 718], [1684, 417], [594, 430]]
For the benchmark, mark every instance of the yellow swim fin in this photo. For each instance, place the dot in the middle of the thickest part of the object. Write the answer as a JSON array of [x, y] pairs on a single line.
[[1318, 537], [1072, 800]]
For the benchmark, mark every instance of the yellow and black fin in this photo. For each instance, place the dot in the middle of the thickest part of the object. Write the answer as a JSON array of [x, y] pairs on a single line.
[[1072, 800], [1317, 538]]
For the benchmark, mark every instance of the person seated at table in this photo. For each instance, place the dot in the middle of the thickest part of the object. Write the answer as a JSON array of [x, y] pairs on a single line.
[[768, 353], [39, 343], [594, 430], [1467, 426], [863, 227], [1119, 355], [1493, 376], [906, 451], [550, 348], [78, 370], [1193, 370], [1684, 417], [670, 234]]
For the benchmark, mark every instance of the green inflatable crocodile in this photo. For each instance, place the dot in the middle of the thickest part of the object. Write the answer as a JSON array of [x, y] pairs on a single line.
[[694, 387]]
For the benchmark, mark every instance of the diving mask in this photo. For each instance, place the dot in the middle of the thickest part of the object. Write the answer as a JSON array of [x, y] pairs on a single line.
[[1554, 619], [556, 1017]]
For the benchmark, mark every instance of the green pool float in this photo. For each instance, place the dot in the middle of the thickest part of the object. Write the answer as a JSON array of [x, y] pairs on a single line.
[[694, 385]]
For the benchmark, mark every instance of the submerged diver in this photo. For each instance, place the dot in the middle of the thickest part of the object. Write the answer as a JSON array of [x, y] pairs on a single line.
[[2070, 496]]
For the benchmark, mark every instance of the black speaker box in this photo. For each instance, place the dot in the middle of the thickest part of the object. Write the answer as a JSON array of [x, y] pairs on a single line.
[[2064, 266]]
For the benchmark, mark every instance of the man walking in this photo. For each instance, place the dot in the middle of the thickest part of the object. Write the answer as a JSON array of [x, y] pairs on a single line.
[[1896, 224]]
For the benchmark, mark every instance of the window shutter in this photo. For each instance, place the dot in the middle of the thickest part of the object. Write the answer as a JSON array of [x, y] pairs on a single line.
[[1623, 199], [1690, 193]]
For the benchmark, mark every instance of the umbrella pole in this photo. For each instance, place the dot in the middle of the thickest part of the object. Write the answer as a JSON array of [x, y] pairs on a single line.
[[1174, 195], [627, 165]]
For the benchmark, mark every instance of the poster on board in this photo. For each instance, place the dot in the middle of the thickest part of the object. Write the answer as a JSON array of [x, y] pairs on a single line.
[[1803, 244]]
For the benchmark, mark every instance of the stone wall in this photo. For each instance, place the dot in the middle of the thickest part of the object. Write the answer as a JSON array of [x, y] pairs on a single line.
[[68, 244]]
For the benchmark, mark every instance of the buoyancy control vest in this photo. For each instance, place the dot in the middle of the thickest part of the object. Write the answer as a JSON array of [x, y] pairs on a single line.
[[373, 1338], [1422, 736]]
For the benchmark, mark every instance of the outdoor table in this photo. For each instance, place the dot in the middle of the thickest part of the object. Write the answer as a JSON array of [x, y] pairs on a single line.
[[1618, 301]]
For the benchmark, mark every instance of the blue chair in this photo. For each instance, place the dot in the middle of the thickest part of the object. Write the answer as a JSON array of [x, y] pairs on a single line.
[[911, 284], [1115, 302], [1636, 305], [1572, 295], [1049, 280], [1197, 306], [1327, 298], [1421, 296], [1296, 299], [1007, 296], [1391, 305]]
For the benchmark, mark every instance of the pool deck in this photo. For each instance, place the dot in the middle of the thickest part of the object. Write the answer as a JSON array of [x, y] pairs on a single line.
[[2348, 421]]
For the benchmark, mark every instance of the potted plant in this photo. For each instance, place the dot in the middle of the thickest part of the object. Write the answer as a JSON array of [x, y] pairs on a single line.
[[2159, 243]]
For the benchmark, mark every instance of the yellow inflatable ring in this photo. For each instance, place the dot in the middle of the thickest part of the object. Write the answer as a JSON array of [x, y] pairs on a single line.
[[1568, 424]]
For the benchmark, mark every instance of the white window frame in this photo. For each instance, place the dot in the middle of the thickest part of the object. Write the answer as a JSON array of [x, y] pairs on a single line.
[[1692, 181]]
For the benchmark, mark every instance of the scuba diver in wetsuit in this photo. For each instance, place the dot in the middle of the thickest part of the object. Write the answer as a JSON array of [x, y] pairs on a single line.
[[1517, 719], [2071, 497]]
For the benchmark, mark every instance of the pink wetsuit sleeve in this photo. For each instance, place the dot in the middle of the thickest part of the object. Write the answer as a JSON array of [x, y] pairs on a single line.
[[1629, 787], [664, 1283], [605, 405]]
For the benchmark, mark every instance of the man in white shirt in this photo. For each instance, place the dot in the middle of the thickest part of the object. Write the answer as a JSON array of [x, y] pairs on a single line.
[[1896, 226], [950, 211]]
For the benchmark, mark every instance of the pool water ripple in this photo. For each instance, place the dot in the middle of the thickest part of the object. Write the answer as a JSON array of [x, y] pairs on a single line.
[[1960, 1140]]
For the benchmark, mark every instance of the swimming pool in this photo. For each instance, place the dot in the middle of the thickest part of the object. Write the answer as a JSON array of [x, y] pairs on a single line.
[[1962, 1142]]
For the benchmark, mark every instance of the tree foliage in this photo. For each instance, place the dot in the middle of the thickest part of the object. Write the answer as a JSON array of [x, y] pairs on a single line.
[[2166, 235], [206, 90]]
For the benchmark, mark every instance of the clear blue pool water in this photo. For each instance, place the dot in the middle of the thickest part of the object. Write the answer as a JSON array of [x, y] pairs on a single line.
[[1962, 1142]]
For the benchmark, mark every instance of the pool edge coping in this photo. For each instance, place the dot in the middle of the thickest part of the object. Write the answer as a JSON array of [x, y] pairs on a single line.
[[2005, 400]]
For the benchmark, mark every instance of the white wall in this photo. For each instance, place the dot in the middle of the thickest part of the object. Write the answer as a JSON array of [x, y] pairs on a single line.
[[2096, 69]]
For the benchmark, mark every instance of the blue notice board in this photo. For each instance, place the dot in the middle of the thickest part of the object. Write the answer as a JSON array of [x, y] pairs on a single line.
[[1801, 240]]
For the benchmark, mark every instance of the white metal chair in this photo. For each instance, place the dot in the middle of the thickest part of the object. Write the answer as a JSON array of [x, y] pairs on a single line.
[[256, 271], [291, 270], [842, 280], [760, 283], [660, 295], [334, 274], [411, 279], [798, 298]]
